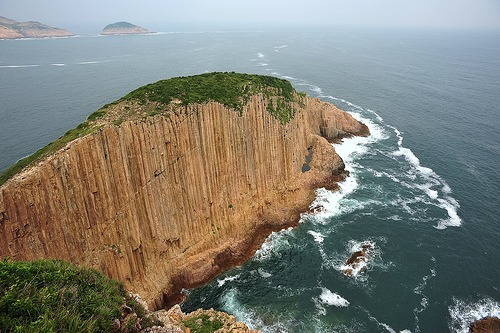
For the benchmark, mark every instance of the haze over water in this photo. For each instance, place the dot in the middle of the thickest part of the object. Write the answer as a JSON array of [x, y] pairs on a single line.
[[423, 189]]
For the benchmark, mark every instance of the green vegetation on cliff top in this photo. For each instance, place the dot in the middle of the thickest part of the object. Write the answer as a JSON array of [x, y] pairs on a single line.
[[56, 296], [230, 89]]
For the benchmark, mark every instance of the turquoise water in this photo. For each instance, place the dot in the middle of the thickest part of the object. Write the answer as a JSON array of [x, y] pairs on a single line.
[[423, 190]]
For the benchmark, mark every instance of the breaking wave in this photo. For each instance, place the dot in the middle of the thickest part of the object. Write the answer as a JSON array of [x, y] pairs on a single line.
[[333, 299], [464, 313], [18, 66]]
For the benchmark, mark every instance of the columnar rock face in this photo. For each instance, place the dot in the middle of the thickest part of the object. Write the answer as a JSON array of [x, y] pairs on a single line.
[[166, 203]]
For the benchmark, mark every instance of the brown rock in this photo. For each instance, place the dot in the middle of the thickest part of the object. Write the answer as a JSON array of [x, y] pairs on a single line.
[[169, 202], [356, 257], [366, 247], [485, 325], [131, 324], [126, 310]]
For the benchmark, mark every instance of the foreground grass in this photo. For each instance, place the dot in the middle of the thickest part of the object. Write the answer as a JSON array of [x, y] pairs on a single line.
[[55, 296]]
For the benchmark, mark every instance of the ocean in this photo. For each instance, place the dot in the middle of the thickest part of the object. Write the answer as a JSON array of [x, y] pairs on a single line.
[[423, 189]]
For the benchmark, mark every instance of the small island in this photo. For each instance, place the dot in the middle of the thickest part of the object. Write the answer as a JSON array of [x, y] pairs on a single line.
[[10, 29], [124, 28]]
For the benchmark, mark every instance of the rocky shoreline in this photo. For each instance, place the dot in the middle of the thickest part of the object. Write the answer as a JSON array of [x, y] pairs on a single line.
[[176, 321], [11, 29]]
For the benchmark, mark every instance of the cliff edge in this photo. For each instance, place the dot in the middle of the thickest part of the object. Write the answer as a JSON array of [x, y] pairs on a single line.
[[175, 182], [31, 29], [123, 28]]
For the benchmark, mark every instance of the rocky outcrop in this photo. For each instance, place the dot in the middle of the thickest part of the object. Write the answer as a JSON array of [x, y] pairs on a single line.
[[176, 321], [13, 29], [485, 325], [123, 28], [169, 201], [357, 261]]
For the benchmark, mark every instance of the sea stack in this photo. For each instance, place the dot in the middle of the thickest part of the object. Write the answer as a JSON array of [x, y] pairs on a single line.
[[123, 28], [175, 182], [13, 29]]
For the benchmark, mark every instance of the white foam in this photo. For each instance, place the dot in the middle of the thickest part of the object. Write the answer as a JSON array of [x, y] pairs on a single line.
[[19, 66], [231, 304], [274, 243], [328, 203], [346, 102], [260, 55], [280, 47], [384, 325], [92, 62], [333, 299], [318, 238], [451, 206], [426, 180], [58, 64], [221, 282], [463, 314], [264, 274]]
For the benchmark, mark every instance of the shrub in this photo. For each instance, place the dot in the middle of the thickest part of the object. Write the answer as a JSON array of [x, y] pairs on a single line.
[[55, 296], [206, 325]]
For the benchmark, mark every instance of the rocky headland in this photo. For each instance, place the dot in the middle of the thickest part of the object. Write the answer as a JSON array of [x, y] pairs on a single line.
[[175, 182], [13, 29], [123, 28]]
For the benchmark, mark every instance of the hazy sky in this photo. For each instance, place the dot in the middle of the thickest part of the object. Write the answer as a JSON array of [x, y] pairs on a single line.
[[420, 13]]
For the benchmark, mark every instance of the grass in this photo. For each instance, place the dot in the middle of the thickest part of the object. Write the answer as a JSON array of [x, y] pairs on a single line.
[[56, 296], [203, 324], [230, 89]]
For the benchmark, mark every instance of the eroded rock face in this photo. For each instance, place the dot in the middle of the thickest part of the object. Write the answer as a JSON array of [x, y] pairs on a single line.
[[169, 202]]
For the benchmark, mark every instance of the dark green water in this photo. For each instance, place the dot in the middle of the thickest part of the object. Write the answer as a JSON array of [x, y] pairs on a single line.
[[423, 191]]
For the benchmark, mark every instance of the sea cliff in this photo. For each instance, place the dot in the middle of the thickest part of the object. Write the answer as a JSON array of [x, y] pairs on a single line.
[[13, 29], [165, 193]]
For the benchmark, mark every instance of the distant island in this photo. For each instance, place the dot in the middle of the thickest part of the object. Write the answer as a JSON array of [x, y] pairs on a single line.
[[13, 29], [123, 28]]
